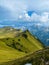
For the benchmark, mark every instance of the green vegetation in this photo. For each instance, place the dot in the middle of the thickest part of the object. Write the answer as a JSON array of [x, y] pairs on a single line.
[[16, 45], [40, 57], [10, 32]]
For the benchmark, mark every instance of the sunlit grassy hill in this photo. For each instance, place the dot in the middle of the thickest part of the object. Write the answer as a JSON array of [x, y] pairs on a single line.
[[15, 44], [10, 32]]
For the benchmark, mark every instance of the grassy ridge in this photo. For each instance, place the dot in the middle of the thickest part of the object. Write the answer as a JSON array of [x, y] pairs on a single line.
[[10, 32], [40, 57], [16, 44]]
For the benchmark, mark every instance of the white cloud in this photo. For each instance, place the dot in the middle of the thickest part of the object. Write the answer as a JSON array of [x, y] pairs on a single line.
[[15, 7], [27, 17], [35, 17], [18, 9], [20, 17], [44, 17]]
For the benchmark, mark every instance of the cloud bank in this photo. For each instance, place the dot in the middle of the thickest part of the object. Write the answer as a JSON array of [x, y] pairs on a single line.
[[18, 10]]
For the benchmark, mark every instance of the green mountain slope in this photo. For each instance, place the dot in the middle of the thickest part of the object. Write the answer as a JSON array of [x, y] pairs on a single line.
[[6, 32], [16, 44]]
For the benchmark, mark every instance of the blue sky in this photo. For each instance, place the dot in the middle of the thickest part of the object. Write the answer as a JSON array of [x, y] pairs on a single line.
[[24, 10]]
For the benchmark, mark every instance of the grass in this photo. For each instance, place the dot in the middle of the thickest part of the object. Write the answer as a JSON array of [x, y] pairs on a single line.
[[15, 44], [8, 53]]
